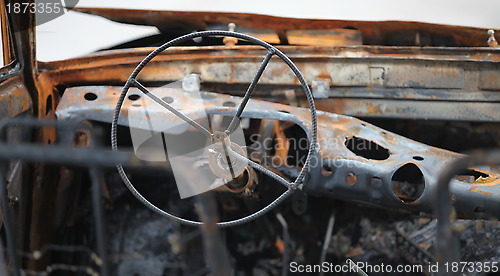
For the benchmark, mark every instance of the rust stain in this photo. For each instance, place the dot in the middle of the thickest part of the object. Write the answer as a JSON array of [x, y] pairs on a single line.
[[484, 182], [124, 111], [324, 75], [335, 37], [282, 145], [479, 191], [351, 179], [280, 245]]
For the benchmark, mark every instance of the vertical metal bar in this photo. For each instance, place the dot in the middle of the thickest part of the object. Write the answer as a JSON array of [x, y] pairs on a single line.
[[95, 176], [216, 254], [7, 221]]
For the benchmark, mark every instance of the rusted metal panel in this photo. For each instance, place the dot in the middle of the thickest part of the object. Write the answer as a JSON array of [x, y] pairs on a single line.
[[338, 37], [489, 79], [441, 95], [333, 131], [374, 32], [345, 66], [412, 76], [340, 74], [14, 99], [420, 77], [383, 108]]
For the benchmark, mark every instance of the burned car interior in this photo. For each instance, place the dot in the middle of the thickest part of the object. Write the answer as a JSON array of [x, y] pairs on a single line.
[[250, 144]]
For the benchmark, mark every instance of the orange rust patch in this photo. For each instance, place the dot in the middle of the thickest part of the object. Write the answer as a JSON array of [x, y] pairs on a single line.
[[479, 191], [351, 179], [484, 182], [280, 245]]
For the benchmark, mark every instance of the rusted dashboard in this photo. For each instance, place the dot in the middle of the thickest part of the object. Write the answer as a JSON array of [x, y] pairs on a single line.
[[357, 161]]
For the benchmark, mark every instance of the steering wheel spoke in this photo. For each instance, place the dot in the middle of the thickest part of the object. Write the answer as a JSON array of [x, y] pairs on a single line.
[[261, 168], [170, 108], [228, 159], [234, 122]]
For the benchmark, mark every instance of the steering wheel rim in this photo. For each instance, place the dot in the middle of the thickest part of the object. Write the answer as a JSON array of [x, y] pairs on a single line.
[[297, 184]]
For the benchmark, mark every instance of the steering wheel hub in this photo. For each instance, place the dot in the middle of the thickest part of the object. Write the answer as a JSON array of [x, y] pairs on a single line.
[[222, 157]]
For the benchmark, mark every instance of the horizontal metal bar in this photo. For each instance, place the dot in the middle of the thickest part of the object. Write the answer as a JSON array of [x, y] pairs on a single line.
[[67, 156], [408, 109], [425, 94]]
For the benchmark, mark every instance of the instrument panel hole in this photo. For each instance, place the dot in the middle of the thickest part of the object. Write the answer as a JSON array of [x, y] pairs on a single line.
[[408, 183], [168, 99], [470, 175], [134, 97], [326, 170], [367, 149], [89, 96], [48, 104]]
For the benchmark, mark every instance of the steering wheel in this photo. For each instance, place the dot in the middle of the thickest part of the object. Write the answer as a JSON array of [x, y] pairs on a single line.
[[221, 138]]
